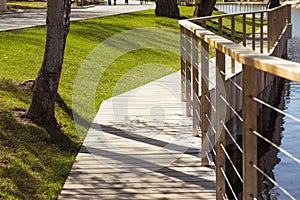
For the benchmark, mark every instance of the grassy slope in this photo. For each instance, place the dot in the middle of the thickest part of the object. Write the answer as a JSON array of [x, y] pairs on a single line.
[[33, 162]]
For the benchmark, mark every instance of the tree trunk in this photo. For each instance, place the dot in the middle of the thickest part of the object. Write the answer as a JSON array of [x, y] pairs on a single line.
[[273, 3], [167, 8], [46, 84], [204, 8], [3, 7]]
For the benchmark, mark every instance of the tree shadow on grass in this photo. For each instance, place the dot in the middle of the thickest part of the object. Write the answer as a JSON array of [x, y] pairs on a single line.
[[38, 158]]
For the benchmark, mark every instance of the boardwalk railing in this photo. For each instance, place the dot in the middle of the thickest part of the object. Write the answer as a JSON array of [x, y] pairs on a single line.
[[238, 7], [232, 86]]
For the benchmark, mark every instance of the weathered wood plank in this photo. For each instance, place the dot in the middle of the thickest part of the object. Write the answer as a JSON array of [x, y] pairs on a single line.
[[140, 147], [193, 196]]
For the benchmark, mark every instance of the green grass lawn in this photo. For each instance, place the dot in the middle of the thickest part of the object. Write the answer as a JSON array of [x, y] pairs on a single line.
[[25, 5], [33, 162]]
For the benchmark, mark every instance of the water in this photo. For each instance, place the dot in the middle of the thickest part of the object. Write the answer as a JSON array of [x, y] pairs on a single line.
[[282, 130], [287, 171]]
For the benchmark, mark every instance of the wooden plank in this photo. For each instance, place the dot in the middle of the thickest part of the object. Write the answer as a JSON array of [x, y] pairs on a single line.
[[196, 82], [141, 177], [249, 139], [283, 68], [244, 30], [261, 32], [146, 185], [220, 132], [220, 26], [270, 27], [193, 196], [204, 102], [132, 159], [183, 62], [232, 39], [253, 31], [188, 75]]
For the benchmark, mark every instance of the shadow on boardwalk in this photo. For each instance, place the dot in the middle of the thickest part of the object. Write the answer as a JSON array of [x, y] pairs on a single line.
[[144, 150]]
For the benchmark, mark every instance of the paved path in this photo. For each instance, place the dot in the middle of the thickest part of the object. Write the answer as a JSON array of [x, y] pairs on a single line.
[[37, 17], [140, 146]]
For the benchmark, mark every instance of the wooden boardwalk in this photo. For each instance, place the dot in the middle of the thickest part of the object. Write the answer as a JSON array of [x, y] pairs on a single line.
[[140, 146]]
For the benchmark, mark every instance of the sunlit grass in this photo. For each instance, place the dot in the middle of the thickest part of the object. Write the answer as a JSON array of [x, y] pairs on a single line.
[[34, 163], [26, 4]]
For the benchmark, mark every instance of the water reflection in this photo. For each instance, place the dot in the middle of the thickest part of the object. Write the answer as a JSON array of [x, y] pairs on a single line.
[[281, 130], [270, 125], [287, 171]]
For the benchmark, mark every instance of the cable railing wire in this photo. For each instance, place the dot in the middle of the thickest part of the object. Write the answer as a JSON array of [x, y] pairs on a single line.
[[210, 123], [276, 109], [198, 114], [211, 145], [210, 162], [224, 196], [231, 108], [228, 183], [274, 182], [234, 83], [277, 147], [210, 102], [232, 138], [232, 164], [208, 79]]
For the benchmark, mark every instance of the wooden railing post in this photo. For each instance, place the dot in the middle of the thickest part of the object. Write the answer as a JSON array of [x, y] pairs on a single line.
[[183, 62], [188, 72], [196, 100], [270, 16], [289, 14], [203, 23], [220, 26], [253, 31], [249, 139], [244, 30], [233, 39], [220, 133], [261, 32], [204, 102]]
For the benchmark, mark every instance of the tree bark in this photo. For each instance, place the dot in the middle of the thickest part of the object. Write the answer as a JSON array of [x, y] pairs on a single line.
[[204, 8], [273, 3], [167, 8], [46, 84], [3, 6]]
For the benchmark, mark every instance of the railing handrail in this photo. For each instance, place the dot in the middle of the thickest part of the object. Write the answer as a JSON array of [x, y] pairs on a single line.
[[277, 66], [246, 90], [241, 3], [221, 16]]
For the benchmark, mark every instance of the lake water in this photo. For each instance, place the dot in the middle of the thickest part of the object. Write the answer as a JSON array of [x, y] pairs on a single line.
[[287, 171], [283, 131]]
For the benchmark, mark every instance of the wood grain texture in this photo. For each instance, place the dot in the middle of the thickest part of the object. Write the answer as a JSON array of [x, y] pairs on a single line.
[[140, 146]]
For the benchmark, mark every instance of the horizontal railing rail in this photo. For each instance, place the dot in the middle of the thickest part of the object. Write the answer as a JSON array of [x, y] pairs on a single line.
[[238, 7], [231, 87]]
